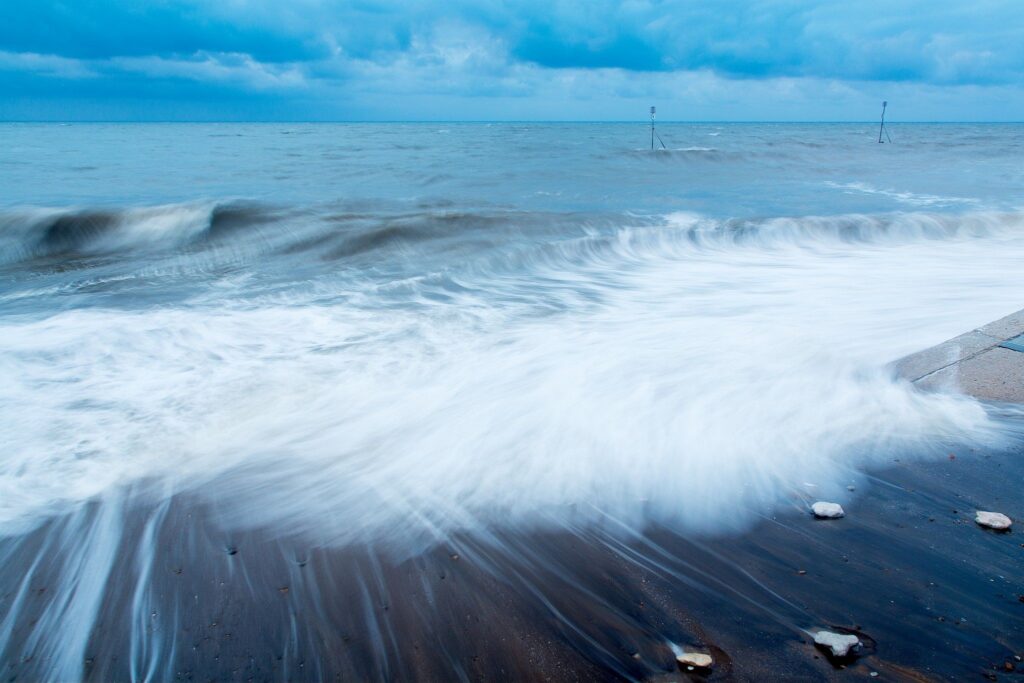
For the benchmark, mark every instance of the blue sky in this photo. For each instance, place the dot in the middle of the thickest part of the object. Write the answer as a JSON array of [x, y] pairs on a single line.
[[494, 60]]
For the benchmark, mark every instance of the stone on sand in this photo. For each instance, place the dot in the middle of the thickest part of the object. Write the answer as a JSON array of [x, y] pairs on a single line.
[[839, 643], [823, 510], [993, 520], [697, 660]]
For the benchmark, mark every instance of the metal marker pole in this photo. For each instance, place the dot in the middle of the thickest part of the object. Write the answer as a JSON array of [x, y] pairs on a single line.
[[652, 129]]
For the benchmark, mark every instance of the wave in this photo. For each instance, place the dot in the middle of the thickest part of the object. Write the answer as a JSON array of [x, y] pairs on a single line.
[[70, 233], [911, 198], [850, 228], [692, 153], [452, 373], [245, 230], [445, 380]]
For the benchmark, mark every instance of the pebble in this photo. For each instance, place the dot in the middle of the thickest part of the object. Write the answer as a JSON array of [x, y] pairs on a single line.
[[695, 660], [823, 510], [992, 520], [839, 643]]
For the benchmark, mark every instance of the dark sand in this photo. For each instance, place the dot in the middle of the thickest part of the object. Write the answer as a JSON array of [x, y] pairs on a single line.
[[933, 596]]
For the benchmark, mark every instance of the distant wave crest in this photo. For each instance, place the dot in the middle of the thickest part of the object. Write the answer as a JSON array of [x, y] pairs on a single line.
[[41, 232], [66, 235]]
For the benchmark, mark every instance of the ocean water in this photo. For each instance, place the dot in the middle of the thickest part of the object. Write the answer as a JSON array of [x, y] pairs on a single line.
[[389, 334]]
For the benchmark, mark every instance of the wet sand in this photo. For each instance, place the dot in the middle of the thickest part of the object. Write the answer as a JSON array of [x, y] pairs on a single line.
[[932, 595]]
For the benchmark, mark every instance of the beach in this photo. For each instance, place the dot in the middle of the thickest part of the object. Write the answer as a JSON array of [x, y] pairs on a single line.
[[930, 594], [509, 402]]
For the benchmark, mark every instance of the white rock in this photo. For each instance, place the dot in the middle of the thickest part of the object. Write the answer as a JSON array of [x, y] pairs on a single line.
[[993, 520], [839, 643], [698, 660], [824, 510]]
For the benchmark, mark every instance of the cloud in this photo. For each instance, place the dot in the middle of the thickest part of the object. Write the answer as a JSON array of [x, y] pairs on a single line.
[[97, 29], [45, 65], [331, 58], [930, 42], [240, 70]]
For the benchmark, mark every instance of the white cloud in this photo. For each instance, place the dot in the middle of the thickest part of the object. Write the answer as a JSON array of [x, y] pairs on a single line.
[[452, 67], [240, 70], [45, 65]]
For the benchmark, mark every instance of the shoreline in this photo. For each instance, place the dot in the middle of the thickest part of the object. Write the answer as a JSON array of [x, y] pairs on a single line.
[[931, 595]]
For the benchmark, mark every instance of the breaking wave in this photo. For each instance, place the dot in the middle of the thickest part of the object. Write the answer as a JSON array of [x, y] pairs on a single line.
[[400, 376], [70, 234], [647, 363], [67, 233]]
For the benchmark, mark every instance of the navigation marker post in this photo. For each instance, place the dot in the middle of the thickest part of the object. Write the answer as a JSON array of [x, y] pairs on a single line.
[[881, 126], [652, 128], [653, 134]]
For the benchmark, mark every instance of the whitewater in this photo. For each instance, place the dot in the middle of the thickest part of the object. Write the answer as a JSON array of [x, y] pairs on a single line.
[[391, 336]]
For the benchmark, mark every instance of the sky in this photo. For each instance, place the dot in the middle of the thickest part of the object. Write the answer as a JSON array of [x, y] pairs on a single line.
[[311, 60]]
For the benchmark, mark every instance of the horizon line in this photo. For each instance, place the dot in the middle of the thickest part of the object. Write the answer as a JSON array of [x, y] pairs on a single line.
[[504, 121]]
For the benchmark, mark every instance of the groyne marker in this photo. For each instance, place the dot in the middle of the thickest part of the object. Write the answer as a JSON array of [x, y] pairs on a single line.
[[881, 127]]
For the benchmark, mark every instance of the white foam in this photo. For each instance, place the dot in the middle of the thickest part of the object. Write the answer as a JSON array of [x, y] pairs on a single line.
[[693, 382], [906, 197]]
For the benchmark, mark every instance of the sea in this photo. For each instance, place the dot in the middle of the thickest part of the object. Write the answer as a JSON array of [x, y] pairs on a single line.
[[393, 335]]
